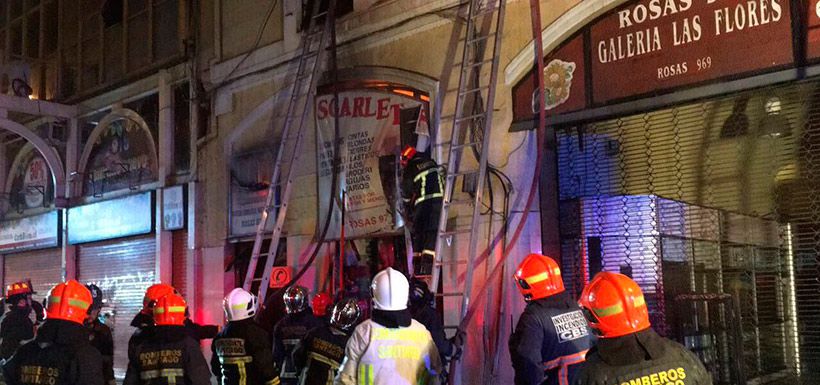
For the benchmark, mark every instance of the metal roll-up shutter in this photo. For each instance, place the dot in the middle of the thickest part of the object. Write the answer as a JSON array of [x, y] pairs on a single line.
[[719, 198], [180, 261], [123, 269], [43, 267]]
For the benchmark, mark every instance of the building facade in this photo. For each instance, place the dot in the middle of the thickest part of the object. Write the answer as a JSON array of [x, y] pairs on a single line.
[[680, 150]]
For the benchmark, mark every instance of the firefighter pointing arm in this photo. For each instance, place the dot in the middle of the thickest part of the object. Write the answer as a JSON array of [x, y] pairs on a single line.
[[422, 191], [551, 338], [628, 350]]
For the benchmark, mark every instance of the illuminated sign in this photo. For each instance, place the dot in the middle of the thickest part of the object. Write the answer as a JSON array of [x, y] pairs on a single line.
[[173, 208], [131, 215], [34, 232]]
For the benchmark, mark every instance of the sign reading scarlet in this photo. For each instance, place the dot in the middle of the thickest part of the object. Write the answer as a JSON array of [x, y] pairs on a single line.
[[655, 45]]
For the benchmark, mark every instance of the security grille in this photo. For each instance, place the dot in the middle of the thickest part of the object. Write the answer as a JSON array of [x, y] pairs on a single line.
[[719, 196]]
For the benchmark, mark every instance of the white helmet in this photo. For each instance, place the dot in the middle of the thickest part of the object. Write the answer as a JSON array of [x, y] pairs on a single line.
[[239, 305], [390, 290]]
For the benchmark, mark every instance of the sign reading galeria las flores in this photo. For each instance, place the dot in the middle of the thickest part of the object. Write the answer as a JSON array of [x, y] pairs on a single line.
[[657, 44], [654, 46]]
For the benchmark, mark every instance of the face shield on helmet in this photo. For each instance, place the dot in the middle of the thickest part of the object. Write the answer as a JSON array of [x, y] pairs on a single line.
[[239, 305], [614, 305], [390, 290], [345, 314], [296, 299]]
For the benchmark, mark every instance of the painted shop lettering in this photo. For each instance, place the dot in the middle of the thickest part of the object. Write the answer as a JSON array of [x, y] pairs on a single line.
[[642, 40], [746, 15], [653, 10], [359, 107]]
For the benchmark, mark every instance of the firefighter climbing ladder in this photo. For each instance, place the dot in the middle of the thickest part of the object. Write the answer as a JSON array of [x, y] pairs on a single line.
[[474, 106], [315, 44]]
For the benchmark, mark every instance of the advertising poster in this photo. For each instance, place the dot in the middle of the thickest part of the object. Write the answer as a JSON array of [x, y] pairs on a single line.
[[369, 143]]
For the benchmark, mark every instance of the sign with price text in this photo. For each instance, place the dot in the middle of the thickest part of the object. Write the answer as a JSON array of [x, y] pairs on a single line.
[[654, 45]]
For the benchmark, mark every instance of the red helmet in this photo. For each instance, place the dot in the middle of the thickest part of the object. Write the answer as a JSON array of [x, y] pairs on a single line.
[[321, 302], [538, 276], [614, 305], [69, 301], [170, 310], [155, 292], [18, 288], [408, 153]]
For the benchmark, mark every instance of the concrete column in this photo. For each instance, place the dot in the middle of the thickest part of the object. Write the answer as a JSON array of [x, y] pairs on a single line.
[[73, 188], [164, 239]]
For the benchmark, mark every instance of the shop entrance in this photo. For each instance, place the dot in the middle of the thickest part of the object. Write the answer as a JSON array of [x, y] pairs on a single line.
[[719, 196]]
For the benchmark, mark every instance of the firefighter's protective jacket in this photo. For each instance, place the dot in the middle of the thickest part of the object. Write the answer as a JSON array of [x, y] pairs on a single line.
[[101, 339], [242, 355], [60, 355], [15, 328], [641, 358], [319, 355], [287, 333], [165, 355], [377, 355], [550, 340], [421, 181]]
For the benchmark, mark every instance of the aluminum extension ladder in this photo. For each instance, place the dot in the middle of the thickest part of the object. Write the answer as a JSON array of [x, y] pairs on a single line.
[[474, 106], [315, 44]]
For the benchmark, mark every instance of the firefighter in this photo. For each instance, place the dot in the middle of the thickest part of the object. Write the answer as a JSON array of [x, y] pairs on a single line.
[[318, 357], [100, 334], [421, 309], [165, 353], [551, 338], [289, 331], [391, 347], [242, 351], [422, 190], [61, 353], [16, 326], [628, 350], [154, 292]]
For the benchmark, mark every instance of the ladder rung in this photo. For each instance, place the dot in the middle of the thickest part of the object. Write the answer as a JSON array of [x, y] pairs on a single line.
[[485, 12], [481, 38], [461, 173], [459, 202], [454, 232], [318, 15], [450, 263], [449, 294], [471, 117], [468, 144], [478, 63], [473, 90]]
